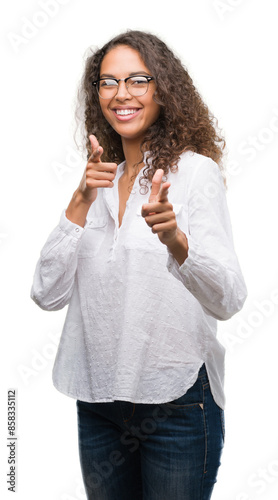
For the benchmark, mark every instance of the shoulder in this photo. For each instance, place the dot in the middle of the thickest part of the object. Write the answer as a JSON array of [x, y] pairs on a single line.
[[191, 161], [194, 167], [198, 180], [198, 169]]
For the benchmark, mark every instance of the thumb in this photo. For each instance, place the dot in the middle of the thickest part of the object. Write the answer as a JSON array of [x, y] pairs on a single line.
[[156, 184]]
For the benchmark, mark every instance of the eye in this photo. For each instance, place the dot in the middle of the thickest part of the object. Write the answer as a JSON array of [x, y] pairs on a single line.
[[108, 82], [138, 81]]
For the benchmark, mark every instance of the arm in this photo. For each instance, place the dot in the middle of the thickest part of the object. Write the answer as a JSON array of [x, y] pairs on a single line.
[[55, 271], [210, 270]]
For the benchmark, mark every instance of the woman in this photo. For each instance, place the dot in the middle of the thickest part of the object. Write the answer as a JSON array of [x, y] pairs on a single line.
[[144, 257]]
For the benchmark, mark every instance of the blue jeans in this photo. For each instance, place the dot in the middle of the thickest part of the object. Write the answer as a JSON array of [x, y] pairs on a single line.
[[169, 451]]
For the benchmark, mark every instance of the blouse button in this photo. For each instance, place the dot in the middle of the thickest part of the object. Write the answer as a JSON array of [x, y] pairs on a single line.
[[77, 229]]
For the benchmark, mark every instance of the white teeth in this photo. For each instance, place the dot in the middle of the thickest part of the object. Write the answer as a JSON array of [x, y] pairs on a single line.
[[125, 111]]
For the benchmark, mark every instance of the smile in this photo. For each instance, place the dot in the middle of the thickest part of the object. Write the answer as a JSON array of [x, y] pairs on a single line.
[[124, 112]]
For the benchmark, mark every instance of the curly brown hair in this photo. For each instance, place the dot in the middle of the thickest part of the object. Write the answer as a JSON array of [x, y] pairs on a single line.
[[184, 124]]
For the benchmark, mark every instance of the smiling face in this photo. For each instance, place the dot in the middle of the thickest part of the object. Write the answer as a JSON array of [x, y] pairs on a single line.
[[129, 116]]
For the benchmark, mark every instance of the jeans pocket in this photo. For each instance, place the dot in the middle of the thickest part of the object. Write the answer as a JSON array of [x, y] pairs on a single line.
[[173, 404], [193, 398]]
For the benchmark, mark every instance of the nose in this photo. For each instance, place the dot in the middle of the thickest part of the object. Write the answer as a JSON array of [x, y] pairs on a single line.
[[122, 93]]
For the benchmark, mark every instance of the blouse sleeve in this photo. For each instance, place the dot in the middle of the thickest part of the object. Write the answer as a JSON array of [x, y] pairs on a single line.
[[55, 271], [211, 271]]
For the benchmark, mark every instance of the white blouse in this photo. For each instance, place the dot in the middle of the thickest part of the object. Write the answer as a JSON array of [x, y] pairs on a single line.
[[138, 325]]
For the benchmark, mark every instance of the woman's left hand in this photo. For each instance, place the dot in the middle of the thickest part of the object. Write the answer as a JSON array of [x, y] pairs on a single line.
[[160, 216], [158, 213]]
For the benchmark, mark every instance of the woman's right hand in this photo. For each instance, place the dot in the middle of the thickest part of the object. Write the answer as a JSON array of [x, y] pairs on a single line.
[[96, 174]]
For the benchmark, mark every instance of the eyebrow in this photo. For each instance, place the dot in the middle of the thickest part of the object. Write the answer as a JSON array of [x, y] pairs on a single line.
[[135, 73]]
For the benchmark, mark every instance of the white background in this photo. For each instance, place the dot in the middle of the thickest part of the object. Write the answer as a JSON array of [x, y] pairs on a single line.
[[230, 50]]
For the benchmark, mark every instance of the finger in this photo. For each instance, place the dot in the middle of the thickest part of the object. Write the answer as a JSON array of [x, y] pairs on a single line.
[[160, 218], [110, 168], [163, 192], [96, 154], [156, 183], [97, 175], [165, 227], [93, 183], [156, 208], [94, 142], [97, 150]]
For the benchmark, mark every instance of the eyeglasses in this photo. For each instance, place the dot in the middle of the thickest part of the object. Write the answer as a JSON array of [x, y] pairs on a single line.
[[136, 86]]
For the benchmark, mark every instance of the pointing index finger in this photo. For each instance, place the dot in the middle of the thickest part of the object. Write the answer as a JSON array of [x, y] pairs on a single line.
[[96, 149], [156, 184], [163, 192]]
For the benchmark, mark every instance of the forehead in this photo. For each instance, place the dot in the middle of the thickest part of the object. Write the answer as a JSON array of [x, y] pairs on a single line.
[[121, 61]]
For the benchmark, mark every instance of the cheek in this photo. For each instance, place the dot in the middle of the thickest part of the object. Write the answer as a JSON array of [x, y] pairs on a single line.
[[153, 104], [154, 111], [104, 110], [102, 107]]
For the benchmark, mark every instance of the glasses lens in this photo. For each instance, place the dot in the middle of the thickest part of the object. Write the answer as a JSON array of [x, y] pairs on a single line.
[[137, 85], [107, 88]]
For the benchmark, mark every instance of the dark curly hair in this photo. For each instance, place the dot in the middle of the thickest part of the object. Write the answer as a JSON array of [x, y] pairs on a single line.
[[184, 124]]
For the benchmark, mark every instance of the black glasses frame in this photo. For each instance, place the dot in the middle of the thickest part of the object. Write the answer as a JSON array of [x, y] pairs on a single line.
[[96, 83]]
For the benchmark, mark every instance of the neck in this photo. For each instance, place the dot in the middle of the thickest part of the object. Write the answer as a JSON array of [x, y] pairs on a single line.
[[132, 156]]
